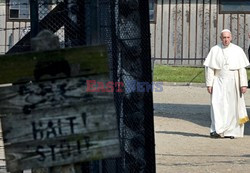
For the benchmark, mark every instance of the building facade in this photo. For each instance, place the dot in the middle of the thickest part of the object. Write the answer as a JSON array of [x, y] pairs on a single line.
[[184, 30], [14, 22]]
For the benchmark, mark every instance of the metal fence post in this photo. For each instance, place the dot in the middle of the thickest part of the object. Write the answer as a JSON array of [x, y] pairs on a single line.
[[34, 20], [147, 76]]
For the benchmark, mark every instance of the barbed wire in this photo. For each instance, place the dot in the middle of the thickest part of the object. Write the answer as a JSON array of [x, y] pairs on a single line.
[[19, 14], [14, 28], [65, 10], [2, 45], [39, 3], [25, 29]]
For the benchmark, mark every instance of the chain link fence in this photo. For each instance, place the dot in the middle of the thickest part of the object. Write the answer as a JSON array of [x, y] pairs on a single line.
[[122, 25]]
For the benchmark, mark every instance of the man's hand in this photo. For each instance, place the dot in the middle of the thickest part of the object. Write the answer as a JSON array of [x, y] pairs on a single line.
[[243, 89], [209, 89]]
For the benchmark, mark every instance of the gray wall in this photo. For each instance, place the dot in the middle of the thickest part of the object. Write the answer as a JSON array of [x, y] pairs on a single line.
[[16, 29]]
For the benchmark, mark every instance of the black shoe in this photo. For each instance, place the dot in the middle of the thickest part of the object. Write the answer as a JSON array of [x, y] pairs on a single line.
[[231, 137], [214, 135]]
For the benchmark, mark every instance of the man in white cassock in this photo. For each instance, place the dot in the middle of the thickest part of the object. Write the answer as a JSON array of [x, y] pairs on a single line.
[[226, 81]]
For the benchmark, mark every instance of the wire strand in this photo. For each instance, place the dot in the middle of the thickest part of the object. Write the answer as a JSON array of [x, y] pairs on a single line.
[[39, 3]]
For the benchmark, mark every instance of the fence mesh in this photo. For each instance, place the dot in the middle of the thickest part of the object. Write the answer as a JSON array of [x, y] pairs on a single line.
[[123, 25]]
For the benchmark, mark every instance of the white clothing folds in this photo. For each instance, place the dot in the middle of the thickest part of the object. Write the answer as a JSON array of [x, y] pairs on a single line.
[[227, 104], [228, 110]]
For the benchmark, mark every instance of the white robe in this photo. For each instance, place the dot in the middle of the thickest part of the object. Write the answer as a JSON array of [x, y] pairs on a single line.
[[225, 72]]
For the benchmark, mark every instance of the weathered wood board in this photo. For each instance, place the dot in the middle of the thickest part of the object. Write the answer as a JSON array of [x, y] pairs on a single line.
[[241, 27], [179, 34], [172, 32], [193, 29], [55, 123], [213, 24], [199, 29], [206, 28], [165, 32], [234, 28], [158, 33], [60, 121], [186, 32]]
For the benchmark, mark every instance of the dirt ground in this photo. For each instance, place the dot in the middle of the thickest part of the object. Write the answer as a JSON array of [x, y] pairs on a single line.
[[183, 145]]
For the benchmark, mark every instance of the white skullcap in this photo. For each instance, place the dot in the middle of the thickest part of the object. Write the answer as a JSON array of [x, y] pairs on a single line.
[[225, 30]]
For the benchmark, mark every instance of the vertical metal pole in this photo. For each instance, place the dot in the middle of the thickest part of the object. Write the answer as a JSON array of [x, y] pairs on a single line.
[[94, 22], [34, 18], [66, 26], [81, 22], [147, 76], [75, 34], [115, 59]]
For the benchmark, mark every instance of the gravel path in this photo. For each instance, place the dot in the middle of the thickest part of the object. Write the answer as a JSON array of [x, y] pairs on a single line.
[[183, 145]]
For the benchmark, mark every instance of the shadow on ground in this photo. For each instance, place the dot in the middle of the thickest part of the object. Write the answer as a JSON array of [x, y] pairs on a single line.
[[198, 114]]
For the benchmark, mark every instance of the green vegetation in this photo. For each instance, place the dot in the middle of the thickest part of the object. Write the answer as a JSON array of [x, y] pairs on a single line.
[[180, 74]]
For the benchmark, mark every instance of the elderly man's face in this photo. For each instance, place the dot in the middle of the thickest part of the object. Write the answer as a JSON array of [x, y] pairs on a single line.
[[226, 38]]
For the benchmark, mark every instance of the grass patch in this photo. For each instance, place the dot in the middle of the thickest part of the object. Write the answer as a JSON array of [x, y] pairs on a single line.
[[181, 74], [178, 74]]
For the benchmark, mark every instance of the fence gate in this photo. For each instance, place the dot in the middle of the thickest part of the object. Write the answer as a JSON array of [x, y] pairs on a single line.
[[123, 25]]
